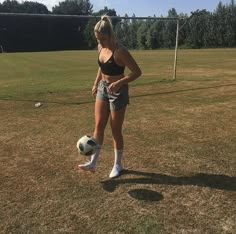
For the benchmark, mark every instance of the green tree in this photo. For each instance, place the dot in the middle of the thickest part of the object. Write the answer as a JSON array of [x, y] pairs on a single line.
[[209, 39], [170, 30], [10, 6], [155, 37], [220, 15], [197, 31], [132, 32], [230, 23], [73, 7], [122, 31], [33, 8], [142, 35]]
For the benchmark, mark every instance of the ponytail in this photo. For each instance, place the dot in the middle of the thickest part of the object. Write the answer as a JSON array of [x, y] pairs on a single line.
[[104, 25]]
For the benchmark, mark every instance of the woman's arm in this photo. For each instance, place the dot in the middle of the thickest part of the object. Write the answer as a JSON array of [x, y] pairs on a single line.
[[98, 77], [99, 73], [126, 59], [95, 85]]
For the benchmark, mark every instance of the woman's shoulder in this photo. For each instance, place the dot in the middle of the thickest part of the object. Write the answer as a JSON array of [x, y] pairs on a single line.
[[121, 49], [122, 55]]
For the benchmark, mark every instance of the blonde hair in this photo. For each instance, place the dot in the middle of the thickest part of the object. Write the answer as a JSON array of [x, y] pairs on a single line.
[[104, 25]]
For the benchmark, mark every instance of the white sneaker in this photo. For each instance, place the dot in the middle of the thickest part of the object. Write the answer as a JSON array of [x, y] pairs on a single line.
[[116, 171], [87, 167]]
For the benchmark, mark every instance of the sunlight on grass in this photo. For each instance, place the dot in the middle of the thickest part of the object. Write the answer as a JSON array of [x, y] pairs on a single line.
[[34, 75]]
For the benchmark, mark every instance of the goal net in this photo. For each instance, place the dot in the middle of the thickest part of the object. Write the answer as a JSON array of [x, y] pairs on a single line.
[[157, 36]]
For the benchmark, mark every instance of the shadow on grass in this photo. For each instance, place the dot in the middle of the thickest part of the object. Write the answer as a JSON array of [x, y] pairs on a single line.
[[182, 90], [145, 195], [214, 181]]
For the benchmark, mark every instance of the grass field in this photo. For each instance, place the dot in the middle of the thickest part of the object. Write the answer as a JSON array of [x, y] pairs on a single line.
[[180, 146]]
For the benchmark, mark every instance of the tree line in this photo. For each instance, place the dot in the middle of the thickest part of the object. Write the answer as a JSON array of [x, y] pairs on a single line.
[[200, 29]]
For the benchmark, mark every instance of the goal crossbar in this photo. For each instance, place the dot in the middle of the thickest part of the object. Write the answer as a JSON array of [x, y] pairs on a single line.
[[87, 16]]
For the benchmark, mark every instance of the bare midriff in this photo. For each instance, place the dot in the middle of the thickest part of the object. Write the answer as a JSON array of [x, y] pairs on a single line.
[[111, 79]]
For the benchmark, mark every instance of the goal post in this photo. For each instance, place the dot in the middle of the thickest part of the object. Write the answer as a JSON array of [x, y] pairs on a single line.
[[176, 19], [176, 49]]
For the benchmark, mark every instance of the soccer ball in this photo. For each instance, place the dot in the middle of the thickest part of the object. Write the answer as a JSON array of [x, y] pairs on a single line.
[[87, 145]]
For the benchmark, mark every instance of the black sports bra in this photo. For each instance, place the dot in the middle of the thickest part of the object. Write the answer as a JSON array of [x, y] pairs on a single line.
[[110, 67]]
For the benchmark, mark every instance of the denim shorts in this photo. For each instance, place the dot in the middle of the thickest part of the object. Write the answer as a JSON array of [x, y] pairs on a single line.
[[116, 100]]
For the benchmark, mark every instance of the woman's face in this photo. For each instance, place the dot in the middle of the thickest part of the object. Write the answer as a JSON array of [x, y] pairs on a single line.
[[103, 39]]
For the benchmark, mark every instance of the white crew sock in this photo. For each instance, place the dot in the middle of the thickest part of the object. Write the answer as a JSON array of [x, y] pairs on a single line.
[[95, 156], [117, 167], [118, 156]]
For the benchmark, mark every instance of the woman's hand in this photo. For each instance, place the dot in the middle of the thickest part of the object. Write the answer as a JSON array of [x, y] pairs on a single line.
[[114, 87], [94, 91]]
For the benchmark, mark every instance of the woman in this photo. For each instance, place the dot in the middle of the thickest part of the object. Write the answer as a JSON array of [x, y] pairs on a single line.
[[111, 91]]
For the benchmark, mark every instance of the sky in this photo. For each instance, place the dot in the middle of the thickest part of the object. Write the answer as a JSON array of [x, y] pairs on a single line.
[[155, 7], [145, 7]]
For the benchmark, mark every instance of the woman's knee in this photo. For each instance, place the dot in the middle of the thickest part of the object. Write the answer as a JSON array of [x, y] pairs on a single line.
[[117, 133]]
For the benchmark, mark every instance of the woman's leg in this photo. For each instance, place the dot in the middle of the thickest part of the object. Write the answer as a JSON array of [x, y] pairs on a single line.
[[116, 122], [101, 117], [102, 113]]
